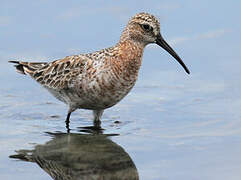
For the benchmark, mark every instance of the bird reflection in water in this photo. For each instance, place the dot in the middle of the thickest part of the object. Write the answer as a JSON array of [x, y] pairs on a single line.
[[71, 156]]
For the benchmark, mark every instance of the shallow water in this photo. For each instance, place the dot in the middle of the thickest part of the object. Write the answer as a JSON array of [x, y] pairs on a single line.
[[171, 126]]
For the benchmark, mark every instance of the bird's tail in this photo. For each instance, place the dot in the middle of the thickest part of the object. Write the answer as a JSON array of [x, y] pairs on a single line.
[[27, 67], [19, 66]]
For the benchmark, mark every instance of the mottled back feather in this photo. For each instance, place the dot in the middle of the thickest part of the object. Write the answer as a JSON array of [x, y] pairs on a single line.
[[54, 75]]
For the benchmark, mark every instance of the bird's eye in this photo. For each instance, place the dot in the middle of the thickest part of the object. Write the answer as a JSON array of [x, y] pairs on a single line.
[[147, 27]]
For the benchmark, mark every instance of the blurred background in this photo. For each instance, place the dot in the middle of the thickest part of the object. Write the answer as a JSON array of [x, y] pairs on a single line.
[[172, 125]]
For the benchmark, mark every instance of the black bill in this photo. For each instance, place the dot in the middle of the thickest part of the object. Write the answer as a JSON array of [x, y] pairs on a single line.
[[161, 42]]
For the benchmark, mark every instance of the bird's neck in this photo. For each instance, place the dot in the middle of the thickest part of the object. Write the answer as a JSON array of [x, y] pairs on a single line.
[[129, 58], [131, 52]]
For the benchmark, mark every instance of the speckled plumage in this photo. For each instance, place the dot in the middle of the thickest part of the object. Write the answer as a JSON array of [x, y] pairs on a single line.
[[101, 79]]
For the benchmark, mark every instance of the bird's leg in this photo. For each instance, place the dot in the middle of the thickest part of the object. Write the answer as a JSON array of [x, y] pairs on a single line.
[[97, 116], [67, 121]]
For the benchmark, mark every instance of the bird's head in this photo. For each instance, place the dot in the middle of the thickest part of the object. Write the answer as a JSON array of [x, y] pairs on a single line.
[[144, 29]]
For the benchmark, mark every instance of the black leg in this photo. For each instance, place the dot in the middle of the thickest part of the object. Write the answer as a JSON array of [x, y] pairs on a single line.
[[67, 122], [97, 116], [97, 124]]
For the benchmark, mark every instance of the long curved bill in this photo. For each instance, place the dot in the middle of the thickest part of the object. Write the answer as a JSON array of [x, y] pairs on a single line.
[[161, 42]]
